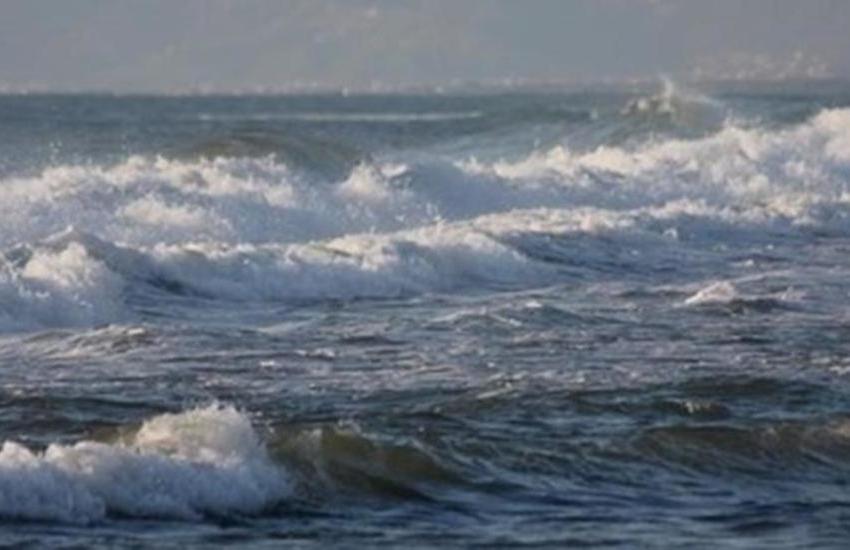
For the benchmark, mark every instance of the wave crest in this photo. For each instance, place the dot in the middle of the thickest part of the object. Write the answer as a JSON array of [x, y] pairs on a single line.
[[251, 228], [206, 461]]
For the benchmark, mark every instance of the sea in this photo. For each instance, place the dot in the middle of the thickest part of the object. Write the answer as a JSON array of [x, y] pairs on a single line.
[[510, 316]]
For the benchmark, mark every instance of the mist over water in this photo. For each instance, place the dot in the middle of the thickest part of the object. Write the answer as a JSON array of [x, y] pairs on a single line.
[[607, 317]]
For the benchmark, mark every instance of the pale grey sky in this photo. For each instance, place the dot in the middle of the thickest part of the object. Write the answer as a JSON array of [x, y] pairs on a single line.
[[175, 45]]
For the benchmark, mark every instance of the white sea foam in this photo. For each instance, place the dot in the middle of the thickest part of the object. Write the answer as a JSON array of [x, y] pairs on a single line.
[[718, 292], [76, 278], [240, 200], [246, 229], [55, 287], [729, 292], [787, 171], [206, 461], [686, 106]]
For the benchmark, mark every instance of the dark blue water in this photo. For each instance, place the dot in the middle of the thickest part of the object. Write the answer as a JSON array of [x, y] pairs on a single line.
[[612, 317]]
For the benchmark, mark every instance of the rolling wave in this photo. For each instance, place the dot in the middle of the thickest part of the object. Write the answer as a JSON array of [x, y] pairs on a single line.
[[211, 463], [78, 241], [202, 462]]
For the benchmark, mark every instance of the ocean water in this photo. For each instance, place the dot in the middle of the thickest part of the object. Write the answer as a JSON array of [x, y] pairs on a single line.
[[593, 317]]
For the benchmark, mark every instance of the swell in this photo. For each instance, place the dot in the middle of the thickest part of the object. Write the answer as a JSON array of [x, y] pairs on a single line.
[[254, 229], [233, 199], [480, 448]]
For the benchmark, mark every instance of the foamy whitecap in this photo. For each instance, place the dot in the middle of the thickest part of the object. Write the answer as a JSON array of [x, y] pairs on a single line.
[[206, 461], [718, 292], [252, 229], [75, 278], [64, 286], [786, 170], [260, 200]]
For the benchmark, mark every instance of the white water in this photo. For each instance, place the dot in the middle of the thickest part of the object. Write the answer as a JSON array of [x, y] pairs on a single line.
[[206, 461], [252, 229]]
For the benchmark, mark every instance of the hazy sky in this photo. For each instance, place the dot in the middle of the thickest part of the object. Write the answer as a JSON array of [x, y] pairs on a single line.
[[172, 45]]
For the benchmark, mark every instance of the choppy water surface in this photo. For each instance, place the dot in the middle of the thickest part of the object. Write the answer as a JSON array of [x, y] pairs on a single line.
[[610, 317]]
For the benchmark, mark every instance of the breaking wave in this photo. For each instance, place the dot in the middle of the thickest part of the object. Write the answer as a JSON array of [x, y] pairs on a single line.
[[206, 463], [203, 462], [79, 242]]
